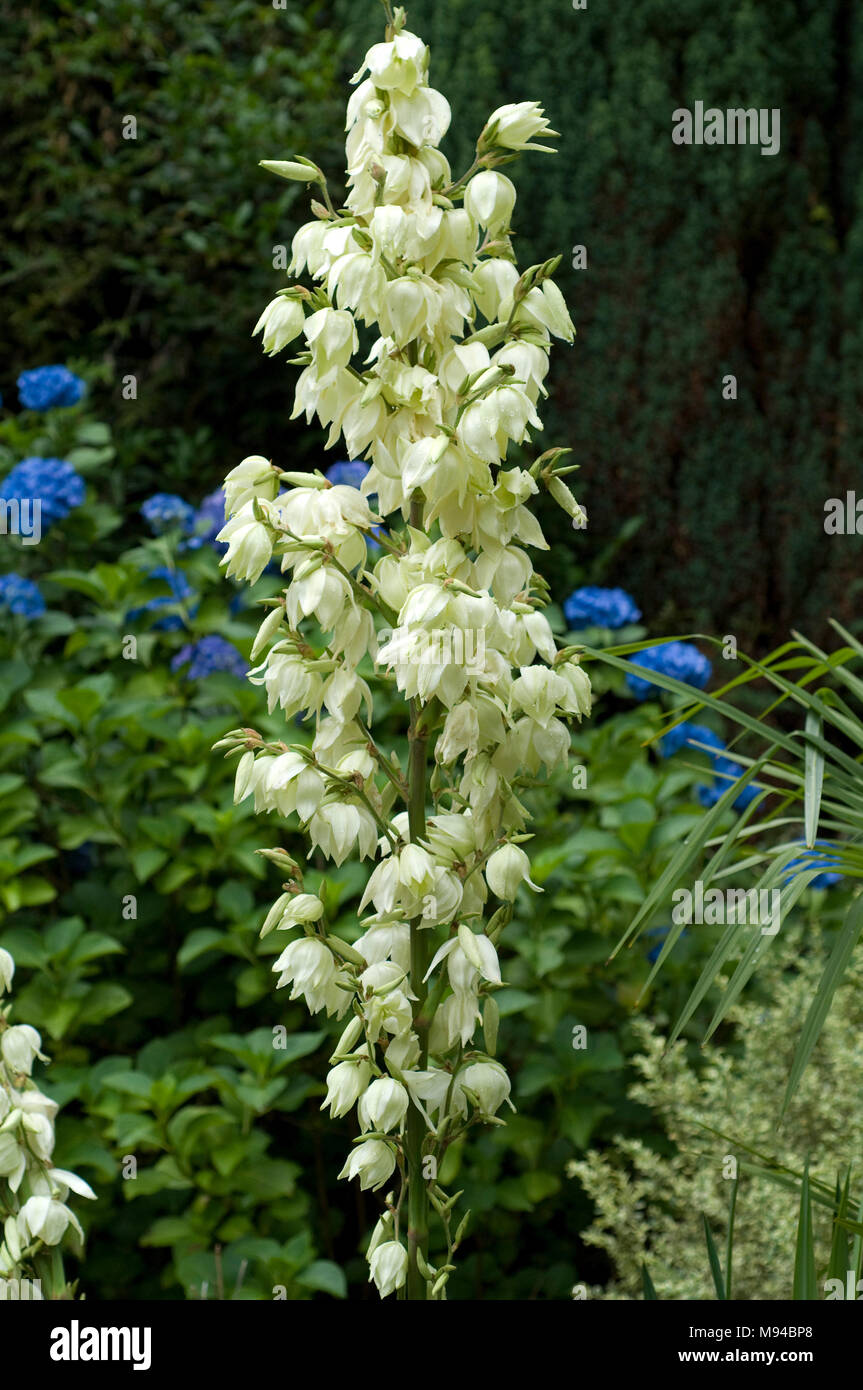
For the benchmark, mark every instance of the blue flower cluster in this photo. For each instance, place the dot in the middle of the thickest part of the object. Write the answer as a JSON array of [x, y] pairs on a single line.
[[659, 934], [21, 596], [43, 388], [53, 481], [817, 857], [208, 521], [347, 473], [687, 736], [727, 771], [592, 606], [180, 591], [680, 660], [200, 526], [208, 655], [165, 510]]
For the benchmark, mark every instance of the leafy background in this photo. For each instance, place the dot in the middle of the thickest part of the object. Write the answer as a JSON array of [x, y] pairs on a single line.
[[152, 257]]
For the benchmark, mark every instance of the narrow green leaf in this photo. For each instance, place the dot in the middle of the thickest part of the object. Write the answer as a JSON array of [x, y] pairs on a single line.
[[828, 984], [715, 1267], [804, 1287], [857, 1246], [647, 1284], [813, 778], [838, 1264], [729, 1245]]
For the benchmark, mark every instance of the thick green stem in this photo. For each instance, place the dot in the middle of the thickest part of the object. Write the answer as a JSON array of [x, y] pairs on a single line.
[[418, 1203]]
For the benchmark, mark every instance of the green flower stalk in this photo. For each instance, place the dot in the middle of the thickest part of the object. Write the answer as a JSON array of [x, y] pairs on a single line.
[[449, 614]]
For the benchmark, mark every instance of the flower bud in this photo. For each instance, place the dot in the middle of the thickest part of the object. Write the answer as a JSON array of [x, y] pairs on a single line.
[[291, 169], [563, 496], [267, 631], [513, 126], [274, 916], [348, 1038]]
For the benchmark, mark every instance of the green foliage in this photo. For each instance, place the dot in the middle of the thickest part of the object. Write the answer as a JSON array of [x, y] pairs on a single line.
[[567, 1013], [131, 897], [651, 1198], [138, 252], [701, 262], [124, 893], [806, 777], [159, 1012]]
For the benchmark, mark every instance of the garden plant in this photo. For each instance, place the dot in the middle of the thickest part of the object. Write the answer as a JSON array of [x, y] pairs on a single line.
[[415, 260], [352, 811]]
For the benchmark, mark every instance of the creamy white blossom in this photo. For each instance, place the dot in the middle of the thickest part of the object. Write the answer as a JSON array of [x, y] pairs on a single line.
[[423, 575], [389, 1266], [280, 323], [33, 1192]]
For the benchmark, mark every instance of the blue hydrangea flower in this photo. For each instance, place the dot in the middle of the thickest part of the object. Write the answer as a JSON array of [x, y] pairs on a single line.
[[372, 542], [727, 772], [208, 521], [165, 510], [53, 481], [660, 933], [813, 859], [347, 472], [688, 735], [21, 596], [591, 606], [680, 660], [43, 388], [208, 655], [180, 591]]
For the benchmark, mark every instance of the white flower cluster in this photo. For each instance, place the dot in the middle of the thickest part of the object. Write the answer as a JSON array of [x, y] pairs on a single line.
[[33, 1192], [456, 344]]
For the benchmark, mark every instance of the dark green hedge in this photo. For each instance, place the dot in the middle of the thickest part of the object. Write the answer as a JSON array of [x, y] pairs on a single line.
[[701, 262], [156, 254]]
